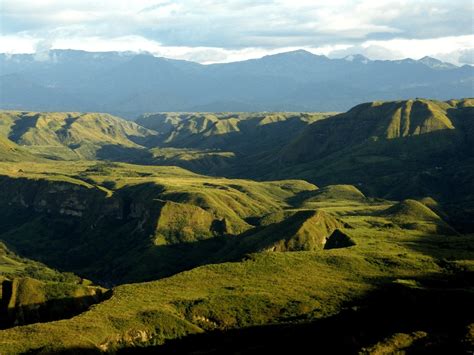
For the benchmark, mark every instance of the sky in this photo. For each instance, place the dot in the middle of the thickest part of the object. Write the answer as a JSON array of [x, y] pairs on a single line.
[[210, 31]]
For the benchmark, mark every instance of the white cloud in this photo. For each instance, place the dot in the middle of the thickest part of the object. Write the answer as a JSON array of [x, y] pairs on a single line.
[[451, 49], [213, 30]]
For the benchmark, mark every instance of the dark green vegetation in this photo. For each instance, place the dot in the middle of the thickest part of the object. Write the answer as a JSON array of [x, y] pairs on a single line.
[[31, 292], [355, 232]]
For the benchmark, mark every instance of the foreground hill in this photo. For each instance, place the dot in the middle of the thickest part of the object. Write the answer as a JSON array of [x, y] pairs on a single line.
[[114, 222], [195, 257], [123, 222], [130, 84]]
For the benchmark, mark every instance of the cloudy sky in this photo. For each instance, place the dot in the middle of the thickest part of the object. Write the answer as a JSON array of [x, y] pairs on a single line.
[[210, 31]]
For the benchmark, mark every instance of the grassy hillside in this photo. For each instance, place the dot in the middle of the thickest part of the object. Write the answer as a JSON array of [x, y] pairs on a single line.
[[398, 150], [375, 258], [9, 151], [117, 222], [72, 135], [31, 292], [372, 122], [238, 133], [273, 287]]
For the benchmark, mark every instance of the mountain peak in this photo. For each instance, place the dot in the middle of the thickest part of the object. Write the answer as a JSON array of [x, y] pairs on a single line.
[[298, 52], [435, 63]]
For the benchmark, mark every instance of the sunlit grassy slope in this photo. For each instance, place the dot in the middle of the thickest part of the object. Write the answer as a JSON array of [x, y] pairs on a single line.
[[263, 288], [116, 222], [73, 135], [186, 253]]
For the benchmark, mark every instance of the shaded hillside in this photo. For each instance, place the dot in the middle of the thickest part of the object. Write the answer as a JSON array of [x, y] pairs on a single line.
[[27, 300], [31, 292], [336, 288]]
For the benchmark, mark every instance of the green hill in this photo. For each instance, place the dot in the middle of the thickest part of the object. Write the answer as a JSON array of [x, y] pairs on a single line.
[[113, 222], [71, 135], [239, 133], [304, 230], [12, 152], [191, 258], [412, 214], [369, 123], [335, 192]]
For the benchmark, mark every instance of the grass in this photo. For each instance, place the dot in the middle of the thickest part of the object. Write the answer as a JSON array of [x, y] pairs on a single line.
[[220, 253], [267, 288], [262, 288]]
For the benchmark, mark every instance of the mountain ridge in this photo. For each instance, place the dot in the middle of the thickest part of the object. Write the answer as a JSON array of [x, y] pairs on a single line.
[[130, 84]]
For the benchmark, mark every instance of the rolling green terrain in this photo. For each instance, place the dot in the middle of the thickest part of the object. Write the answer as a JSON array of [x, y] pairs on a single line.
[[72, 136], [350, 231]]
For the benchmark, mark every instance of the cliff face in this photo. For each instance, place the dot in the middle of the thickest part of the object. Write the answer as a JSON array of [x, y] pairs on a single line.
[[58, 197]]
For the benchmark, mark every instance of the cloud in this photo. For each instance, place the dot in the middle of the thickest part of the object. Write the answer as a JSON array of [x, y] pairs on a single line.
[[214, 30], [453, 49], [466, 56], [369, 51], [42, 49]]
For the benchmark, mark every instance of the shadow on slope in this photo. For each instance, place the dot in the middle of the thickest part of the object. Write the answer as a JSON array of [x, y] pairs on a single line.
[[27, 301], [432, 315]]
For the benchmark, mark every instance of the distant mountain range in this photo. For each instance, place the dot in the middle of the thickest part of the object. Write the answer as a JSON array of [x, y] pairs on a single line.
[[129, 84]]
